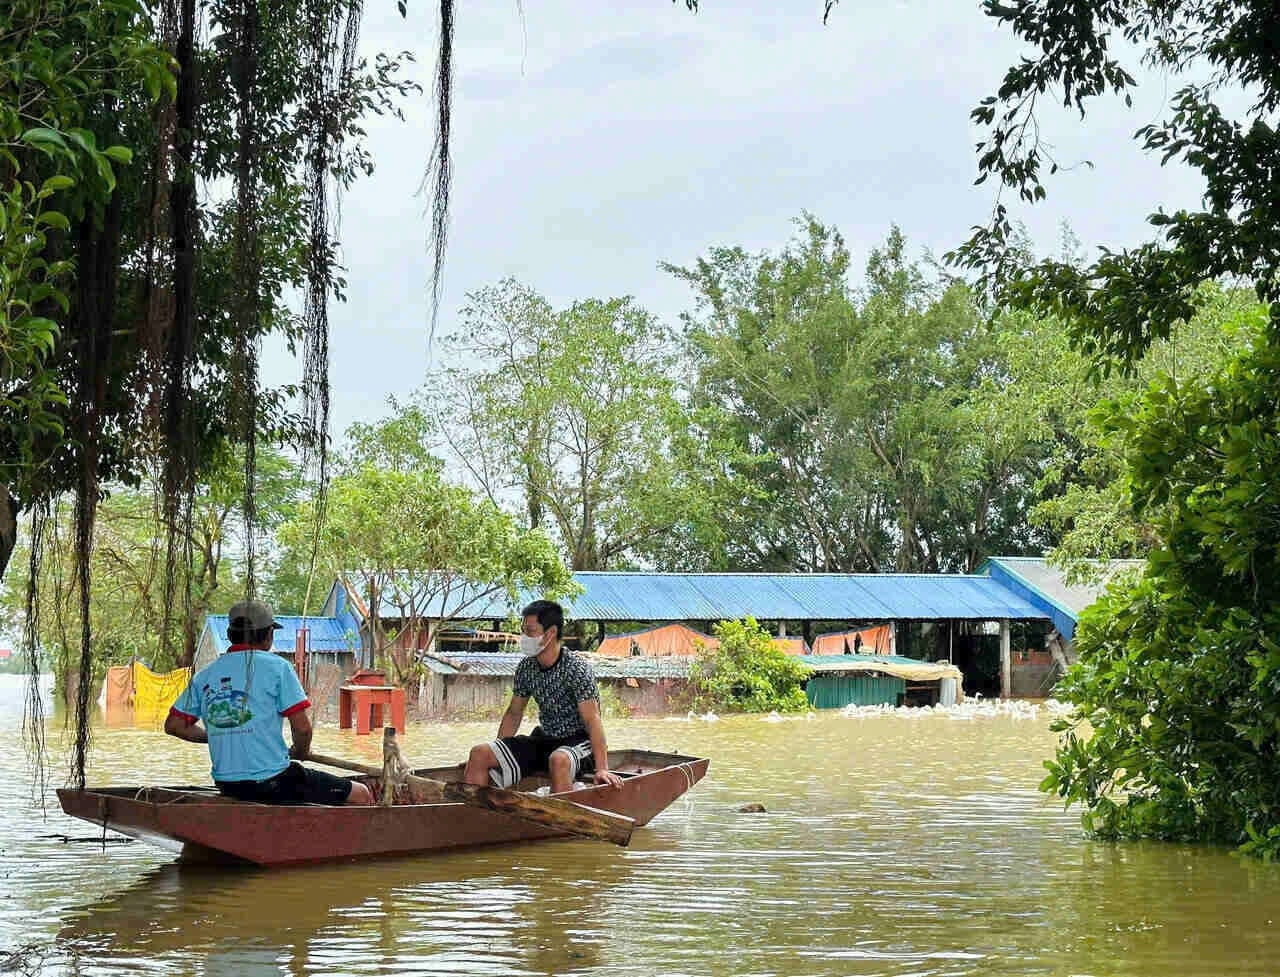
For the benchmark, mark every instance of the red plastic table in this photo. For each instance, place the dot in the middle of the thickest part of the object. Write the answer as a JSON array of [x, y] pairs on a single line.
[[365, 703]]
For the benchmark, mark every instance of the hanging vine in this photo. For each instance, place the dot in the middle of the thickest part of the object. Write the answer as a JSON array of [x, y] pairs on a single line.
[[98, 262], [329, 74], [247, 263], [33, 714], [175, 285], [177, 440], [439, 176]]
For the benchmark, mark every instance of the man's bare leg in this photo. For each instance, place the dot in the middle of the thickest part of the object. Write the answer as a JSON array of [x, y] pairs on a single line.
[[360, 794], [560, 765], [479, 763]]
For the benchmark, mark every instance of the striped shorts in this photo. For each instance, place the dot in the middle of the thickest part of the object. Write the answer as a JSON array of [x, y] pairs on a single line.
[[526, 756]]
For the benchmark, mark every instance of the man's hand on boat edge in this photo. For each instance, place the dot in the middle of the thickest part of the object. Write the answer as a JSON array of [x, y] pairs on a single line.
[[607, 777]]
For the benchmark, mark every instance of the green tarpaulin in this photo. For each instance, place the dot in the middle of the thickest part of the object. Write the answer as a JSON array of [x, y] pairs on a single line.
[[835, 691]]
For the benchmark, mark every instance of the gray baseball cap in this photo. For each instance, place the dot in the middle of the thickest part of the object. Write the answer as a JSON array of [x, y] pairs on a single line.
[[252, 615]]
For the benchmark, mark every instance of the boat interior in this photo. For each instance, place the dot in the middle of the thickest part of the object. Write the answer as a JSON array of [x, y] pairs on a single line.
[[628, 764]]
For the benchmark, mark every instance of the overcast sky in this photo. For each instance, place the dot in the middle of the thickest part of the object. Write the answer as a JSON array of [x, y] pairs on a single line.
[[594, 140]]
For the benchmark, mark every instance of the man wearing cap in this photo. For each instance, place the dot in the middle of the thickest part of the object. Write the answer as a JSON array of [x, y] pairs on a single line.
[[241, 698]]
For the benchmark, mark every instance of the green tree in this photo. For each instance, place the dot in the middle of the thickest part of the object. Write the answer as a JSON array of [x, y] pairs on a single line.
[[746, 672], [1178, 672], [1085, 504], [139, 306], [128, 608], [872, 425], [404, 538], [570, 414], [97, 246], [62, 62]]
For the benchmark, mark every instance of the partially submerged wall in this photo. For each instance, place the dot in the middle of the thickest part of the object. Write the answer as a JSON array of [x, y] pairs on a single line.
[[463, 697]]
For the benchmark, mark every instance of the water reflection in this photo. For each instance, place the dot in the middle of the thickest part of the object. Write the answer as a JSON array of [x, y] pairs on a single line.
[[486, 912], [889, 847]]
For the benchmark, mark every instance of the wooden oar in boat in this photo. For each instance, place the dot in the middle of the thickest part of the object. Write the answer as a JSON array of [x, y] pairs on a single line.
[[551, 812]]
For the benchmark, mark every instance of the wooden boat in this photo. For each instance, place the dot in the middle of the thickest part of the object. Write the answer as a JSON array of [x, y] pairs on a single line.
[[203, 825]]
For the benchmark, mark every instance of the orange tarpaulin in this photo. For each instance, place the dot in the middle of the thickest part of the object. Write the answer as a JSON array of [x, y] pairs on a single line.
[[677, 639], [791, 646], [117, 692], [670, 639], [875, 641]]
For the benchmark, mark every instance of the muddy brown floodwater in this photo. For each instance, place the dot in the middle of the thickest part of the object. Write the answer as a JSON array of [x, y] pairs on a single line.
[[889, 846]]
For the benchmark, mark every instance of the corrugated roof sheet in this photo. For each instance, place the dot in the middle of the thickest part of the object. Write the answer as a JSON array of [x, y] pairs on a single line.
[[794, 597], [326, 633], [493, 664], [817, 662], [609, 596], [907, 668], [1052, 582], [1046, 586]]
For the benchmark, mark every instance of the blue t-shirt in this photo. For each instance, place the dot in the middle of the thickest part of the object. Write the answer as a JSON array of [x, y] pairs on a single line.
[[241, 697]]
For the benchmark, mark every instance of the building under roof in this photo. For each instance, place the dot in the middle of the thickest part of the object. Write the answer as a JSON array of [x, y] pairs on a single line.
[[699, 599], [1046, 587], [329, 639]]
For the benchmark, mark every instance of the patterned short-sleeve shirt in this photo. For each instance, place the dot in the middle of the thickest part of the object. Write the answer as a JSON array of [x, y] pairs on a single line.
[[558, 691]]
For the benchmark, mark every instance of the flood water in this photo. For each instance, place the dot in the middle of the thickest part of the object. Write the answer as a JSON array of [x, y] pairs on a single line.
[[890, 846]]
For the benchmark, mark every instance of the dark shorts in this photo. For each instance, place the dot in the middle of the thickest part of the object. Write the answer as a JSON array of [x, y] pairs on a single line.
[[525, 756], [295, 784]]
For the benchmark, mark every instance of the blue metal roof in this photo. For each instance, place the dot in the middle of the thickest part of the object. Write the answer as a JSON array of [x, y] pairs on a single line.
[[1045, 586], [608, 596], [817, 661], [326, 633], [795, 597]]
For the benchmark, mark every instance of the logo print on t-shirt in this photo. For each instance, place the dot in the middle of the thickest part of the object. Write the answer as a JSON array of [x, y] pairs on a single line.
[[227, 708]]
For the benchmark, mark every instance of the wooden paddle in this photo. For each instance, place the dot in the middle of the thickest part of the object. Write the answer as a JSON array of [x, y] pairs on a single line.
[[550, 812]]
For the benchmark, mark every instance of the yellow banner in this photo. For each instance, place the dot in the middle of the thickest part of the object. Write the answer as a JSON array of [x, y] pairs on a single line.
[[153, 694]]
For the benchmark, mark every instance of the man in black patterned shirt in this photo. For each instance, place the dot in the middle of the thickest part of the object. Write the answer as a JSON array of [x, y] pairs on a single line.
[[569, 740]]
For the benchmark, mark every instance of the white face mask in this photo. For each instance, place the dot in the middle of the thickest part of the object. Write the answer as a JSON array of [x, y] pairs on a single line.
[[530, 646]]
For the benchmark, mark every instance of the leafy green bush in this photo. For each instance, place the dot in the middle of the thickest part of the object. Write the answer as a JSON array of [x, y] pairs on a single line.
[[611, 704], [747, 673], [1177, 691]]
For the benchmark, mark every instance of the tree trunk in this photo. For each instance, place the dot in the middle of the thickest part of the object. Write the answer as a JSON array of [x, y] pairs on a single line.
[[8, 527]]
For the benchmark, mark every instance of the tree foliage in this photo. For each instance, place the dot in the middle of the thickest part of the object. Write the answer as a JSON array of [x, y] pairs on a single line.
[[410, 543], [165, 177], [856, 429], [570, 413], [128, 614], [63, 65], [1178, 673], [1085, 504], [748, 673], [1179, 677]]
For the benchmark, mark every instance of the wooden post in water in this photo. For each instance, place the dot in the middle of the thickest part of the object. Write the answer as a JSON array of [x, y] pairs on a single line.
[[1006, 662], [393, 766], [300, 656]]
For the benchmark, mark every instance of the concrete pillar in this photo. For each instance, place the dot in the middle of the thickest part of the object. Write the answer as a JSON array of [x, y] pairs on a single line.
[[1006, 661]]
